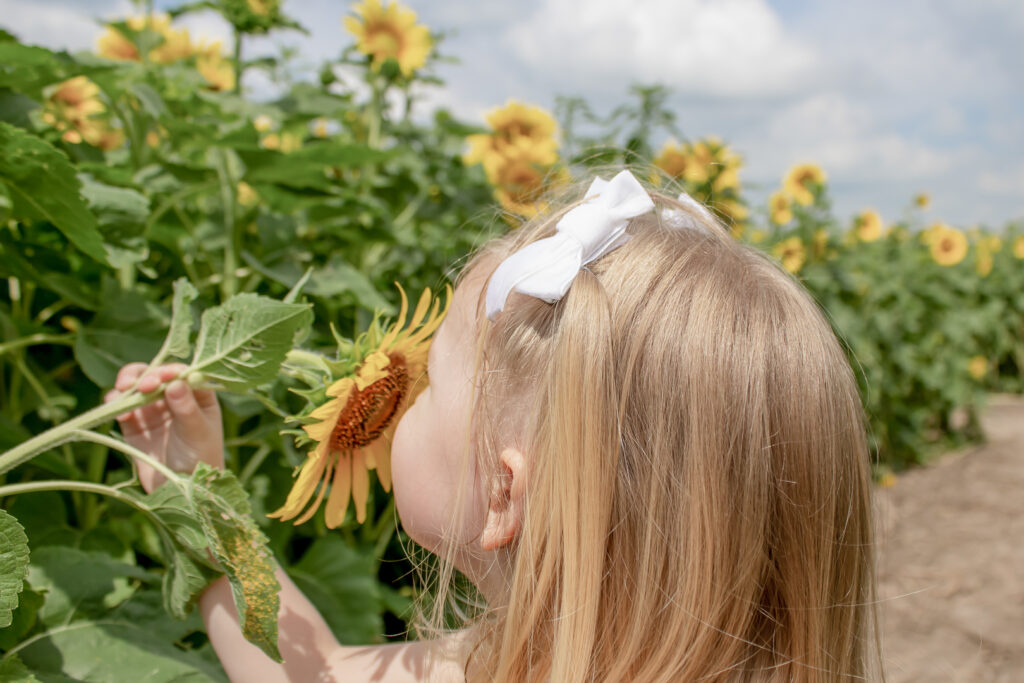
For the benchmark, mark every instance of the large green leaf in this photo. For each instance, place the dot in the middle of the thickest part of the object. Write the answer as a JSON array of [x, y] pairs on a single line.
[[79, 583], [13, 670], [43, 184], [241, 550], [115, 651], [27, 68], [186, 576], [243, 342], [177, 344], [25, 618], [13, 565]]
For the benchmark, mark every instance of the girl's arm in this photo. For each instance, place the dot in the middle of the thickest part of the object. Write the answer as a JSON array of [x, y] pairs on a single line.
[[184, 428], [310, 651]]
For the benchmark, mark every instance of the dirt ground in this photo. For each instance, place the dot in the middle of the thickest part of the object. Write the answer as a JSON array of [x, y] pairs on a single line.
[[951, 569]]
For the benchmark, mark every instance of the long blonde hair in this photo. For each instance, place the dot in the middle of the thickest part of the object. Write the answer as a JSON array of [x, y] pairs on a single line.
[[698, 504]]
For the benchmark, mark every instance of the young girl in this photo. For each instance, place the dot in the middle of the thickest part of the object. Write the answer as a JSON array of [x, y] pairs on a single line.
[[643, 444]]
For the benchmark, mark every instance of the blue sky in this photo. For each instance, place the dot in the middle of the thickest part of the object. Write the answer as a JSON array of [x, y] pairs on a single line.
[[889, 98]]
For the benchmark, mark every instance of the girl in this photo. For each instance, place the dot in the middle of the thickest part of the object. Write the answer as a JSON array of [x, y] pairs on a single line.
[[641, 442]]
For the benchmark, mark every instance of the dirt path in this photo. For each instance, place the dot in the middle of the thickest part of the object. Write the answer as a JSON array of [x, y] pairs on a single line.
[[952, 561]]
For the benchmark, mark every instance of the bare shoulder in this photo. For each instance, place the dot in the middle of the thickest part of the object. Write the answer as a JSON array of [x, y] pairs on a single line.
[[423, 661]]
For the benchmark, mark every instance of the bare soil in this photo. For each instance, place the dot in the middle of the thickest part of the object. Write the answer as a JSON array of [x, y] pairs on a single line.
[[951, 567]]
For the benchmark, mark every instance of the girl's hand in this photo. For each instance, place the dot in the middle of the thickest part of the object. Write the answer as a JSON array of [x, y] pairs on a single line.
[[181, 429]]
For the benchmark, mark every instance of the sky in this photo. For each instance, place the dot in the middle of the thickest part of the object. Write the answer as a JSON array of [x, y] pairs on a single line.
[[890, 98]]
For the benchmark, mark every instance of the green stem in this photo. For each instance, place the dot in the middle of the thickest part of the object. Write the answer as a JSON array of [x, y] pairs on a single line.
[[33, 339], [229, 285], [96, 464], [254, 464], [22, 366], [239, 66], [118, 445], [64, 432], [69, 485], [376, 113], [384, 530]]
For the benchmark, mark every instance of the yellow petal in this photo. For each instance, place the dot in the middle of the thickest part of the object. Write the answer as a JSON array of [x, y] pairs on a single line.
[[341, 388], [381, 450], [421, 309], [329, 409], [319, 497], [372, 369], [399, 322], [303, 487], [360, 485], [337, 503]]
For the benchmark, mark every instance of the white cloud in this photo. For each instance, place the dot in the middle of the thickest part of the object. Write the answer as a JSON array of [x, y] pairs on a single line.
[[57, 26], [721, 48], [848, 140]]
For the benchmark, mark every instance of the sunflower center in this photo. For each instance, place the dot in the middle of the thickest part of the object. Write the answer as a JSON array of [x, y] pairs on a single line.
[[946, 244], [384, 40], [369, 412]]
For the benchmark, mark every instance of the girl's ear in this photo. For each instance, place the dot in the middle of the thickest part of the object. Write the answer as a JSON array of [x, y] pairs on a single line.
[[507, 497]]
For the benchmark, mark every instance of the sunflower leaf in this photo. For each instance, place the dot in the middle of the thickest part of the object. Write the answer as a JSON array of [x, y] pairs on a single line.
[[241, 550], [176, 344], [243, 342], [13, 565]]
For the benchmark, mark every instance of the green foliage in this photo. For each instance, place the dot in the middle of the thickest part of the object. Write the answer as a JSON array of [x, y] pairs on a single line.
[[13, 565], [42, 185], [290, 220]]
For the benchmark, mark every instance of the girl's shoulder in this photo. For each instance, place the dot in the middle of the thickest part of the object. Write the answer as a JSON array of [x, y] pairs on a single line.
[[418, 661]]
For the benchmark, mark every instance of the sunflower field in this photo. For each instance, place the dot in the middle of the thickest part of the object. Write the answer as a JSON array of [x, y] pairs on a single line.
[[152, 210]]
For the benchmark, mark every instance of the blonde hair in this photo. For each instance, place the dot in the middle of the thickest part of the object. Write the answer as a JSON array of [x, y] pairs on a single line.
[[698, 504]]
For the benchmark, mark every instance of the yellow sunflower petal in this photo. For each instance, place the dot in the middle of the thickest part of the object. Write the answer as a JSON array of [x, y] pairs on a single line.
[[308, 515], [421, 309], [304, 486], [360, 485], [399, 321], [382, 460], [372, 370], [337, 503], [341, 388], [434, 320]]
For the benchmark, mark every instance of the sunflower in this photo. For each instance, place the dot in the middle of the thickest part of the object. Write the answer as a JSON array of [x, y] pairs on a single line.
[[792, 253], [727, 179], [779, 210], [672, 159], [176, 44], [948, 245], [71, 107], [984, 262], [701, 158], [800, 182], [868, 225], [922, 200], [977, 367], [1018, 247], [390, 32], [517, 130], [732, 209], [212, 65], [519, 187], [358, 422]]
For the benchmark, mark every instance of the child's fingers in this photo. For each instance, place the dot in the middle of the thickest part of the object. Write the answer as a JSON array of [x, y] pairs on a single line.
[[205, 398], [127, 376], [170, 371], [185, 405]]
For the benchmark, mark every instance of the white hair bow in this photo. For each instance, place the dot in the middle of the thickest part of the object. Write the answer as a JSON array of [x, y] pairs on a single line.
[[544, 269], [674, 218]]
